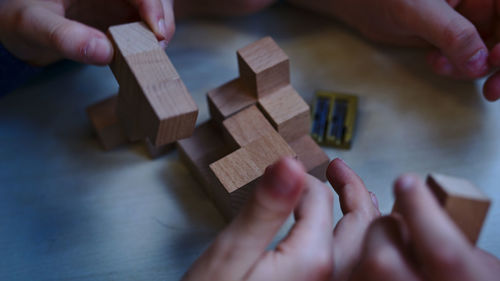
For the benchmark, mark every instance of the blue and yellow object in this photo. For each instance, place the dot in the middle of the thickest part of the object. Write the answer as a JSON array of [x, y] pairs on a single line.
[[334, 118]]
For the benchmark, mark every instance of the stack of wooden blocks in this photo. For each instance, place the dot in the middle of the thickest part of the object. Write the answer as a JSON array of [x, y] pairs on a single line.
[[153, 104], [257, 119]]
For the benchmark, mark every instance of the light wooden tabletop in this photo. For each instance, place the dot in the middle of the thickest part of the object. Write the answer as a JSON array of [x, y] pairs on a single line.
[[69, 211]]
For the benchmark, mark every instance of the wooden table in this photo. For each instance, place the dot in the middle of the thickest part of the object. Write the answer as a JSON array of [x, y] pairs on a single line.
[[69, 211]]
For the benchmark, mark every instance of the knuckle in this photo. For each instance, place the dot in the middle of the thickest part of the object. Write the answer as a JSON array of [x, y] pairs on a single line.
[[459, 34]]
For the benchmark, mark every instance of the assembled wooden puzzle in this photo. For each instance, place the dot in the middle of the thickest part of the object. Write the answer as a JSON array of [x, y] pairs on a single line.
[[257, 118]]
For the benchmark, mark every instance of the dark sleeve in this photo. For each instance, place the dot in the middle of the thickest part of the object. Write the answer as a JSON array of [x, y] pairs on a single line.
[[13, 72]]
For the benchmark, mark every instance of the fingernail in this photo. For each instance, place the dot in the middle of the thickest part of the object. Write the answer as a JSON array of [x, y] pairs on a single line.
[[98, 50], [405, 183], [162, 28], [374, 199], [478, 63], [164, 44], [281, 177]]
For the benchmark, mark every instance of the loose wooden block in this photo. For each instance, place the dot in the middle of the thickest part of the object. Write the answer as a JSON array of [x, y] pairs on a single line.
[[103, 117], [312, 156], [264, 67], [162, 107], [238, 172], [229, 99], [465, 203], [287, 112], [246, 126]]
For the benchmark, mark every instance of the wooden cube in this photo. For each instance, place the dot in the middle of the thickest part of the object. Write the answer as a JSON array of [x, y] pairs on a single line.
[[229, 99], [103, 117], [155, 152], [238, 172], [288, 113], [163, 108], [246, 126], [264, 67], [465, 203], [312, 156]]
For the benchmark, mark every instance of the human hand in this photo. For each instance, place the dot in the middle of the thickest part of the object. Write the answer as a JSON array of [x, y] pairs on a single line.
[[421, 243], [310, 251], [460, 50], [41, 32]]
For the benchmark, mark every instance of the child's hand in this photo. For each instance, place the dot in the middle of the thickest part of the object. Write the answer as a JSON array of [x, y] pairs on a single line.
[[421, 243], [313, 250], [41, 31]]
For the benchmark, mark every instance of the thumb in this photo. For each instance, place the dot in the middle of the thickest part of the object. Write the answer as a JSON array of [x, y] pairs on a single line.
[[456, 37], [244, 241], [70, 39]]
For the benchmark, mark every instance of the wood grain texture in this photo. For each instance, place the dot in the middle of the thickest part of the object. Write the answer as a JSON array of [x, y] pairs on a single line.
[[246, 126], [312, 156], [105, 122], [229, 99], [161, 107], [247, 164], [263, 67], [204, 147], [463, 202], [288, 113]]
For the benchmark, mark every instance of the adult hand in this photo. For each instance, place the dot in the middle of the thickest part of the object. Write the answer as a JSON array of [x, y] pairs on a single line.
[[41, 32], [461, 52], [310, 251], [421, 243]]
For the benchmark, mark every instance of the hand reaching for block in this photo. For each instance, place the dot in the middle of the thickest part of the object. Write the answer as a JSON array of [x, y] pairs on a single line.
[[421, 243], [313, 250]]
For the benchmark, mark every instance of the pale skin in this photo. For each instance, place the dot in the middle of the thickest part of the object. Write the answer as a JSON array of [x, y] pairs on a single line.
[[464, 34], [419, 243]]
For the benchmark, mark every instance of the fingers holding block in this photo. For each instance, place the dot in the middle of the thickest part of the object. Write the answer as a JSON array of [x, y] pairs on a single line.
[[463, 202], [103, 117], [288, 113], [264, 67]]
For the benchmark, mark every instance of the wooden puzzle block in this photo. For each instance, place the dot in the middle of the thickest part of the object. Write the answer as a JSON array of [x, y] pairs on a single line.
[[463, 202], [312, 156], [157, 151], [246, 126], [103, 117], [237, 172], [229, 99], [204, 147], [287, 112], [163, 108], [264, 67]]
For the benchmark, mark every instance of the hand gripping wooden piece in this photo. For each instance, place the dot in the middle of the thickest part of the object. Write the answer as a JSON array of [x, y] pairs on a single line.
[[264, 67], [153, 101], [463, 202], [288, 113], [238, 172]]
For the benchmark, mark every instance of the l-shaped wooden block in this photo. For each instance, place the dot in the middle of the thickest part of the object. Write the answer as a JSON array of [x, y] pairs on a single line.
[[153, 101]]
